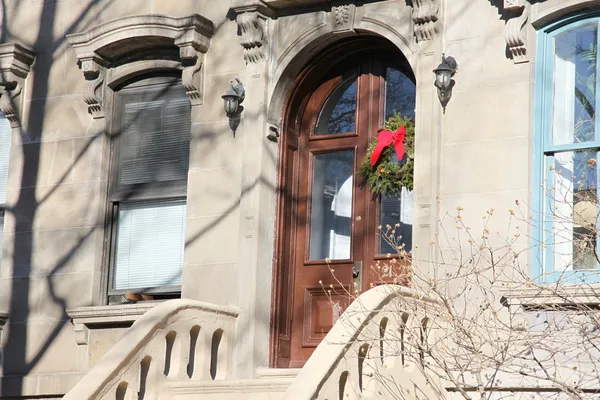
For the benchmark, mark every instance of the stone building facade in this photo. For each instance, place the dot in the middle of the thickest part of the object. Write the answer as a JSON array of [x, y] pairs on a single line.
[[81, 77]]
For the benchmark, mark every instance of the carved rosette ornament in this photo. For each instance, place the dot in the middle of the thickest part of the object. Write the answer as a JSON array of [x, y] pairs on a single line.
[[425, 16], [102, 49], [252, 25], [15, 64], [343, 17], [514, 32]]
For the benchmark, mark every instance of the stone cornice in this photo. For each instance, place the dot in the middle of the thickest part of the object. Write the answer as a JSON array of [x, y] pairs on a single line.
[[15, 64], [100, 48]]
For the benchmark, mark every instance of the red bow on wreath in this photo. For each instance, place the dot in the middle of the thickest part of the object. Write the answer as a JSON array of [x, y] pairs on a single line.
[[386, 138]]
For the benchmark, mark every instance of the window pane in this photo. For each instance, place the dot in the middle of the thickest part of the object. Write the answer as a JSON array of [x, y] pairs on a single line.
[[331, 206], [339, 112], [574, 97], [400, 94], [5, 142], [574, 208], [150, 244], [154, 143], [396, 212]]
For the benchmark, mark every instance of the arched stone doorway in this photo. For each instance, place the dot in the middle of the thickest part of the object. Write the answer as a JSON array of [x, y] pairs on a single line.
[[327, 219]]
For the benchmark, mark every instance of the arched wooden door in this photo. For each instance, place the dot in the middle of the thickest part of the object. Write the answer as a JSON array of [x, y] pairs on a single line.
[[327, 222]]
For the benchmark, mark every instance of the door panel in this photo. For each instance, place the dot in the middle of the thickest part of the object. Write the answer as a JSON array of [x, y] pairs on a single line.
[[331, 221]]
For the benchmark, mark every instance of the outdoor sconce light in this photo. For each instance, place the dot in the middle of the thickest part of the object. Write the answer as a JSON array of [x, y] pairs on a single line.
[[443, 79], [232, 100]]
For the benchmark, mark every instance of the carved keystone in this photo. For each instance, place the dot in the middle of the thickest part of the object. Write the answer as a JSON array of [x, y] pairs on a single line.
[[15, 64], [101, 48], [343, 17]]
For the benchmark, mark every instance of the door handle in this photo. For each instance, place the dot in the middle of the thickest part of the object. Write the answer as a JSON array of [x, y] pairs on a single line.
[[357, 275]]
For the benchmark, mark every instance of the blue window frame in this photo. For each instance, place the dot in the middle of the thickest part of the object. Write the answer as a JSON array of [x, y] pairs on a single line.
[[567, 150]]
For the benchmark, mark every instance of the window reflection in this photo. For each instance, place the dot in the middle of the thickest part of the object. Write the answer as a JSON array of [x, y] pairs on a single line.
[[400, 94], [574, 207], [396, 212], [574, 86], [331, 209], [339, 112]]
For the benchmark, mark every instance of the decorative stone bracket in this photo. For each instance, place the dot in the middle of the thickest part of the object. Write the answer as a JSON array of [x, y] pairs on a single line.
[[425, 16], [514, 33], [105, 46], [15, 64], [252, 27]]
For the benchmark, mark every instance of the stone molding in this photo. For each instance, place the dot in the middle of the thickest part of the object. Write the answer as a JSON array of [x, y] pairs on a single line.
[[100, 48], [514, 31], [15, 64], [542, 297], [85, 318], [425, 16], [253, 30]]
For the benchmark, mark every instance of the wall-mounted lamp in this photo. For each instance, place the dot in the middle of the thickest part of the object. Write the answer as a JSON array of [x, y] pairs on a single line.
[[443, 79], [231, 102]]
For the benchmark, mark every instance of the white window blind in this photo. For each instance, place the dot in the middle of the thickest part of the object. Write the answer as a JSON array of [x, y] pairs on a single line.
[[155, 138], [150, 245]]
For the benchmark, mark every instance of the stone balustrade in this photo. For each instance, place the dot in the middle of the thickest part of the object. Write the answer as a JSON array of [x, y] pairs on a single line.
[[375, 350], [174, 341]]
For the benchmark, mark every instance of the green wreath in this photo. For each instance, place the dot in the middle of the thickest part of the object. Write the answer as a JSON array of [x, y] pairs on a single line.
[[388, 176]]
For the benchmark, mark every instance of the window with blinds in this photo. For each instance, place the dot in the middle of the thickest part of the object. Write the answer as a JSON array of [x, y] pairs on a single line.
[[151, 139], [5, 143]]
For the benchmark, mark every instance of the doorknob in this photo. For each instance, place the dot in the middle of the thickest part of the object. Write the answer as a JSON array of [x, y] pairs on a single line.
[[357, 275]]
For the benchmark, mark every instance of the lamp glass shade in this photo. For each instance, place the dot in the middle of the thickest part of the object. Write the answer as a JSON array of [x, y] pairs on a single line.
[[443, 78], [231, 104]]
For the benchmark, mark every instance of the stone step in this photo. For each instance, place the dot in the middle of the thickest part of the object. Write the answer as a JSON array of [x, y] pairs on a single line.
[[264, 388]]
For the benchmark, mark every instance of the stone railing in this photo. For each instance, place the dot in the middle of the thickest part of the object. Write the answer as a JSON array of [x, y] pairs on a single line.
[[179, 339], [375, 350]]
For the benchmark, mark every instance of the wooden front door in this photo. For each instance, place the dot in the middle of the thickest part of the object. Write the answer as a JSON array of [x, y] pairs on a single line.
[[328, 219]]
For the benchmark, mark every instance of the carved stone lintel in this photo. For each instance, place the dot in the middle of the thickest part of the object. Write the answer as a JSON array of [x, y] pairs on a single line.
[[514, 31], [100, 49], [252, 26], [15, 64], [343, 17], [425, 16]]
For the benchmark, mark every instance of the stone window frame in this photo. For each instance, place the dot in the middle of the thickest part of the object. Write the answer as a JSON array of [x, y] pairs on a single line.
[[541, 266], [124, 50]]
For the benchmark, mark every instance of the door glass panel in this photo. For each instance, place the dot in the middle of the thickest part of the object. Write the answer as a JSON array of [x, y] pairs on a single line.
[[400, 94], [339, 112], [574, 86], [396, 222], [331, 208]]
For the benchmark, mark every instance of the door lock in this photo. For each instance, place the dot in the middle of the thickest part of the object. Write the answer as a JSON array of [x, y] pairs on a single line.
[[356, 275]]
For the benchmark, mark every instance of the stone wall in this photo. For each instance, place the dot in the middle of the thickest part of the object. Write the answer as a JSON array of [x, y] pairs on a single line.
[[476, 154]]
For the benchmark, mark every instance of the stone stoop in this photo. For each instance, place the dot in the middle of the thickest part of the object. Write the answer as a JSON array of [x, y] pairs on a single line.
[[264, 387]]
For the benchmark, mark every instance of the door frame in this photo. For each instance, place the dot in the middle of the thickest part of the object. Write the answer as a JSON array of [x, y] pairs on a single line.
[[287, 168]]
